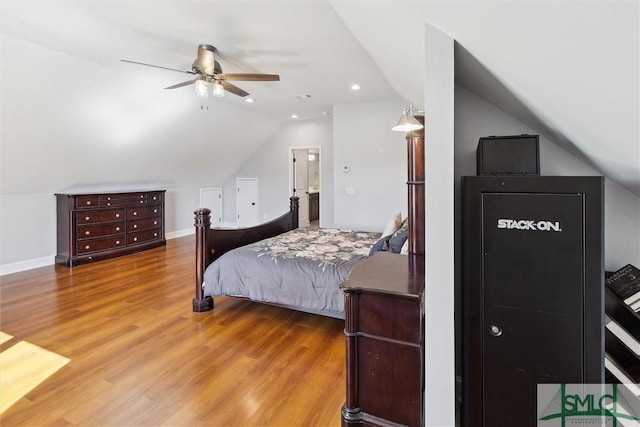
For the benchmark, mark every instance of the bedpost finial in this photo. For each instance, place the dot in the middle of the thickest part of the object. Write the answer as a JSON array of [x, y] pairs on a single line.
[[202, 216]]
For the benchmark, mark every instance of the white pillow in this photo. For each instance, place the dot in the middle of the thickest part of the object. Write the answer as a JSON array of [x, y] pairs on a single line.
[[405, 248], [392, 226]]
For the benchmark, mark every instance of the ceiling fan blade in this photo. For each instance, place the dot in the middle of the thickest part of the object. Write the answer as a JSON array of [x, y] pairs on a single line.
[[187, 83], [206, 61], [249, 77], [157, 66], [233, 89]]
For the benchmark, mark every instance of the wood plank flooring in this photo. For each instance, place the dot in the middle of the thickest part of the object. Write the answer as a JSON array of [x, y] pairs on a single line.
[[140, 356]]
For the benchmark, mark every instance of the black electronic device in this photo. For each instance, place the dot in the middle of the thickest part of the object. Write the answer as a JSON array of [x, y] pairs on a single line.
[[508, 155]]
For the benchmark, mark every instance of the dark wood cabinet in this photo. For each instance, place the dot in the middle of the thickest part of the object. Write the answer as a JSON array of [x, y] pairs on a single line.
[[384, 328], [96, 226], [314, 206], [531, 293]]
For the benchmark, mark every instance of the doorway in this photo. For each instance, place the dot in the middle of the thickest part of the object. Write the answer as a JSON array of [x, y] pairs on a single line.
[[304, 182]]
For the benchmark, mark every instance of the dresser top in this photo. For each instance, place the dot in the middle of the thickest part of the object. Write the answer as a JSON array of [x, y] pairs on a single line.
[[388, 273], [77, 191]]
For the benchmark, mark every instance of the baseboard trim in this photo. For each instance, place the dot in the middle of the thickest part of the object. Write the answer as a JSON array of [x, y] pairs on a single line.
[[16, 267], [180, 233]]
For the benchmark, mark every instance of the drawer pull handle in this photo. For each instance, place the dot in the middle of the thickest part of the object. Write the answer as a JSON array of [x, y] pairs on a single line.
[[87, 247], [155, 211], [155, 222], [135, 213], [86, 233], [135, 239], [117, 215], [135, 225], [117, 242], [86, 218], [142, 196], [117, 228], [141, 201], [155, 198], [88, 202], [155, 234], [108, 203]]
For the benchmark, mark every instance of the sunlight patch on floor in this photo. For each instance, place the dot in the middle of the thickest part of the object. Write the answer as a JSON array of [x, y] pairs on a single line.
[[22, 367], [4, 337]]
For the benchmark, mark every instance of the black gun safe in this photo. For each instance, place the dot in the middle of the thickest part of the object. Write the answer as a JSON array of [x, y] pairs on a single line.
[[532, 292]]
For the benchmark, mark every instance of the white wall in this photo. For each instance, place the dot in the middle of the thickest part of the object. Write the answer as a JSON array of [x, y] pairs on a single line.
[[377, 158], [270, 164], [476, 117], [439, 227]]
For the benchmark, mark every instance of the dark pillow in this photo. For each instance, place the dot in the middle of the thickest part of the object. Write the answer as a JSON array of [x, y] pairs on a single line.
[[381, 245], [398, 238]]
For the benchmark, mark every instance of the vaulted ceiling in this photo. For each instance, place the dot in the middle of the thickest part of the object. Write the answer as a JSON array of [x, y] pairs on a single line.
[[569, 68]]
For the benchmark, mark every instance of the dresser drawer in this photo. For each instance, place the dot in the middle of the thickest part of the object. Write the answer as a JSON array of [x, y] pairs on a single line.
[[154, 197], [142, 224], [100, 230], [144, 212], [143, 236], [128, 199], [94, 245], [390, 316], [100, 215], [86, 202]]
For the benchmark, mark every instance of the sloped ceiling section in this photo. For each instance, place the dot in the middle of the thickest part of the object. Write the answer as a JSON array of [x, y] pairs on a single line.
[[570, 69], [305, 42], [66, 94]]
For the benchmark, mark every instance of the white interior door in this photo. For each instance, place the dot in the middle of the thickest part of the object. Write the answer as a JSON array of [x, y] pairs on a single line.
[[247, 201], [301, 184], [211, 198]]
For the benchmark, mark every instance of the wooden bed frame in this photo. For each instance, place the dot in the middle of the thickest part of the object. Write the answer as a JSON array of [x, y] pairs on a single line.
[[212, 243]]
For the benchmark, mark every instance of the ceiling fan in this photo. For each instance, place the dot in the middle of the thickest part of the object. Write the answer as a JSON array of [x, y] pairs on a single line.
[[208, 71]]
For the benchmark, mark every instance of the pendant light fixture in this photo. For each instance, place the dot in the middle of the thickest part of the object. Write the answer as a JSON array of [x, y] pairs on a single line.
[[407, 122]]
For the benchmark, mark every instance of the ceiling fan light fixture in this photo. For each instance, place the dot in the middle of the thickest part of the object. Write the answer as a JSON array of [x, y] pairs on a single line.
[[201, 89], [218, 90]]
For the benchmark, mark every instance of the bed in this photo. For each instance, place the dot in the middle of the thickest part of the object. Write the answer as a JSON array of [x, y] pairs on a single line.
[[299, 268], [287, 270]]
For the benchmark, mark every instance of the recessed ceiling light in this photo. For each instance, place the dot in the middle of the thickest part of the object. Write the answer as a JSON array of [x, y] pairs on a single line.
[[249, 100], [355, 87], [305, 96], [294, 116]]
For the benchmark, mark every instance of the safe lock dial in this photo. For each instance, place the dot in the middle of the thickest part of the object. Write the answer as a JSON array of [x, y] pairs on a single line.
[[495, 330]]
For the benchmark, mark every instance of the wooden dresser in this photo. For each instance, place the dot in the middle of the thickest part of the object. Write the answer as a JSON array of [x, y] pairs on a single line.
[[97, 226], [384, 328]]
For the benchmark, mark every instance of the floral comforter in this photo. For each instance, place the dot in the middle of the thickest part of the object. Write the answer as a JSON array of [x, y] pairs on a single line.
[[302, 268]]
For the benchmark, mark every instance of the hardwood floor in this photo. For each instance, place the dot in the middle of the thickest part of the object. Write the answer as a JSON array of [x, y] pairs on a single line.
[[140, 356]]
